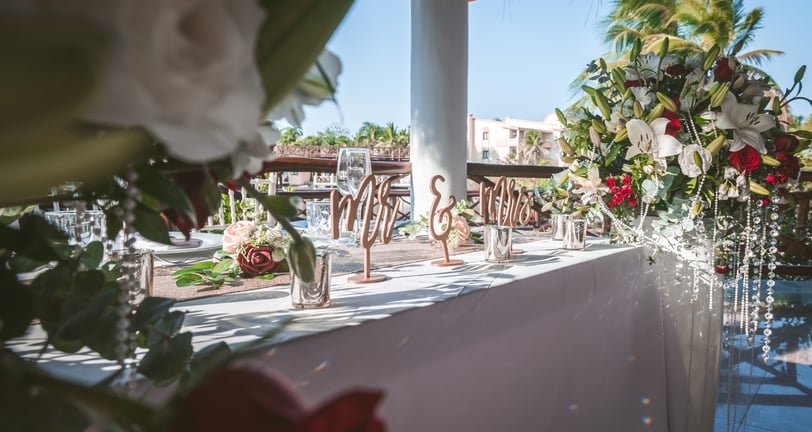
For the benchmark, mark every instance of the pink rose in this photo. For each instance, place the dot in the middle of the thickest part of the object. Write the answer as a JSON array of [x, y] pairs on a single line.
[[235, 234], [463, 229]]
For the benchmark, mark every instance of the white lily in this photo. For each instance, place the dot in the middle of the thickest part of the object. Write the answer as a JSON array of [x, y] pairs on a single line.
[[642, 95], [652, 140], [591, 188], [645, 67], [746, 122]]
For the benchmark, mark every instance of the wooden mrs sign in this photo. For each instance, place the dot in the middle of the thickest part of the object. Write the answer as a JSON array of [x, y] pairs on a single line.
[[503, 205], [348, 205], [444, 217]]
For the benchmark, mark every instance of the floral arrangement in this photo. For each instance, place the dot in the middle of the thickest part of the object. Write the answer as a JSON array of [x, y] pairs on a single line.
[[697, 139], [249, 250], [460, 228]]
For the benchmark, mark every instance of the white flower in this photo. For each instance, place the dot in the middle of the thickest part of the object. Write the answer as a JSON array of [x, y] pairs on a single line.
[[651, 140], [746, 122], [642, 95], [183, 69], [687, 161], [645, 67], [591, 187]]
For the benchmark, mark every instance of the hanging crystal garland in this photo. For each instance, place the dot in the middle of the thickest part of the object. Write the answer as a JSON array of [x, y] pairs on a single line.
[[126, 339], [758, 242], [772, 211], [743, 276]]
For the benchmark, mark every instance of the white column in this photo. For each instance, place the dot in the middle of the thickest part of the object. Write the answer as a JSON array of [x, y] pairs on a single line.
[[439, 79]]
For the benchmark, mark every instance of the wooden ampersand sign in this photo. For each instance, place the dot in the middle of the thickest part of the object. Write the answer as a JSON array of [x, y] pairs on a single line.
[[444, 217], [348, 205]]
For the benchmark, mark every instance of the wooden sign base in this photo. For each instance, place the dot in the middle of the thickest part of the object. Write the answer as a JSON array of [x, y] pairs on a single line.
[[447, 263], [364, 279]]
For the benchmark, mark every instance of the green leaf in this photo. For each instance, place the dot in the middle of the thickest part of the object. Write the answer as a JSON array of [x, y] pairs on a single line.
[[16, 308], [149, 223], [208, 357], [197, 267], [86, 319], [268, 276], [280, 205], [150, 310], [92, 255], [168, 326], [293, 34], [302, 259], [166, 360], [50, 69], [165, 191], [612, 155], [222, 266], [189, 280]]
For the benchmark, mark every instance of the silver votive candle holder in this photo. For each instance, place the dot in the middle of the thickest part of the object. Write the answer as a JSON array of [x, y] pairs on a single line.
[[497, 243], [558, 225], [314, 294], [575, 234]]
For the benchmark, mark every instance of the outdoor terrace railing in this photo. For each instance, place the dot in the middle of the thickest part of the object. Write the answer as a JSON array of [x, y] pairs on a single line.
[[398, 153]]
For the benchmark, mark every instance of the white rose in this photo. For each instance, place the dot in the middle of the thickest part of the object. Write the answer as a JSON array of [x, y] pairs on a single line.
[[183, 69], [687, 163]]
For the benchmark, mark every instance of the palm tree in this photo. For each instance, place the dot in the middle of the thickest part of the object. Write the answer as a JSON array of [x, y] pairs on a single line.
[[290, 135], [534, 148], [368, 134], [690, 25], [404, 137], [390, 133]]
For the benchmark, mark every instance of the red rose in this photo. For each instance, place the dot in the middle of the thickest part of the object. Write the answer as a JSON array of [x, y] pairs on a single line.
[[744, 160], [632, 201], [786, 143], [673, 127], [249, 400], [610, 204], [610, 182], [627, 180], [771, 179], [790, 165], [626, 191], [723, 69], [617, 199], [635, 83], [615, 190], [256, 260], [675, 70]]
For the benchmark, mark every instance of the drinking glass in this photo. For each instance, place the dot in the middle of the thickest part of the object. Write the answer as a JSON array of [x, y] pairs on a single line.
[[353, 165]]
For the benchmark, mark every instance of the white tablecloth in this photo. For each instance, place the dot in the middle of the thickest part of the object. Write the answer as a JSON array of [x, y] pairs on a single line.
[[595, 340]]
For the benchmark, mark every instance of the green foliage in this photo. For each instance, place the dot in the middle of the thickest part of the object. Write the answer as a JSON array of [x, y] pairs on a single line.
[[214, 273]]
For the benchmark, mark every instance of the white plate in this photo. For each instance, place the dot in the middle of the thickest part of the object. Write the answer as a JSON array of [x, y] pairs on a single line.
[[209, 244]]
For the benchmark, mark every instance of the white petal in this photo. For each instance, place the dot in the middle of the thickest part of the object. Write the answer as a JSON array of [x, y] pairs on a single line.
[[751, 138], [737, 144], [659, 125], [725, 122], [668, 146], [763, 123], [729, 102], [640, 134]]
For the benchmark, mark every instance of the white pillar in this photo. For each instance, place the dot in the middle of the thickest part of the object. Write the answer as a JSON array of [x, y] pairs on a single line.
[[439, 104]]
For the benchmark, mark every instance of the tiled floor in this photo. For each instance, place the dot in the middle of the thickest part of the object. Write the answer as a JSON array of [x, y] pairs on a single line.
[[774, 396]]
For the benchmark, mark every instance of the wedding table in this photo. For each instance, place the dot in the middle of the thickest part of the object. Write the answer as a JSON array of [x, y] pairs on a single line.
[[599, 339]]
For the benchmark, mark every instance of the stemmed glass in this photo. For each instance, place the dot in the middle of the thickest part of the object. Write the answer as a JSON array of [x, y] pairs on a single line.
[[353, 165]]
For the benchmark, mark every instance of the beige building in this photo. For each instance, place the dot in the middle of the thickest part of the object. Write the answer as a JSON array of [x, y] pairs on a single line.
[[506, 141]]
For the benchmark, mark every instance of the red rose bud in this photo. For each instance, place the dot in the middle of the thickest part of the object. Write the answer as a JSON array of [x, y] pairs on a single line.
[[626, 191], [257, 260], [744, 160], [722, 71], [610, 204], [790, 165], [673, 127], [615, 190], [722, 269], [771, 179], [765, 202], [610, 182], [786, 143], [782, 178], [617, 199], [627, 180], [632, 201], [635, 83], [675, 70]]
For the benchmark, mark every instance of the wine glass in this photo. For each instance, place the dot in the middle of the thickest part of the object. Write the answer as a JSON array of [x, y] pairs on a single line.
[[353, 165]]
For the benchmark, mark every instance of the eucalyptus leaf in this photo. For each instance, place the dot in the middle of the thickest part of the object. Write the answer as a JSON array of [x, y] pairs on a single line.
[[167, 359], [189, 280], [223, 266], [92, 255], [78, 325], [168, 326], [150, 310], [201, 266], [149, 223], [165, 191]]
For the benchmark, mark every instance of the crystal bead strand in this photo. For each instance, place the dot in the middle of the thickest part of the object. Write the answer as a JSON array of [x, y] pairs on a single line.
[[772, 209], [714, 235], [744, 271], [126, 339], [758, 238]]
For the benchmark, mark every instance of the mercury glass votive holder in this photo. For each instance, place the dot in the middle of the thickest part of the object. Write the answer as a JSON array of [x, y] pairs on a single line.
[[140, 264], [497, 243], [558, 223], [575, 234], [315, 294]]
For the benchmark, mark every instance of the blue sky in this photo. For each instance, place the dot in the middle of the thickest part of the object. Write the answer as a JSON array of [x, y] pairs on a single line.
[[522, 56]]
